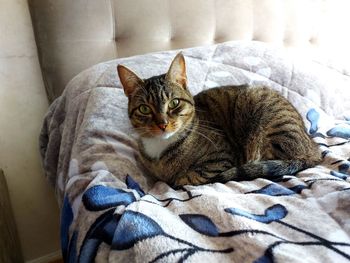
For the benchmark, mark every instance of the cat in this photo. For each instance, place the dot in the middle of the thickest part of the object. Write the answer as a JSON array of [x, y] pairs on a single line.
[[221, 134]]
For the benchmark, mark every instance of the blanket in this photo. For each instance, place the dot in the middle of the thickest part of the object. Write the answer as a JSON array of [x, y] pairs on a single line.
[[111, 212]]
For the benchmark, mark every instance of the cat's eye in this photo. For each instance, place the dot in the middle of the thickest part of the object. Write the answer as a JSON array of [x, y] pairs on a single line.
[[174, 103], [145, 109]]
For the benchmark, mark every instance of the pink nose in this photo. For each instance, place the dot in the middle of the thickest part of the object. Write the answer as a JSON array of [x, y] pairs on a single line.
[[162, 126]]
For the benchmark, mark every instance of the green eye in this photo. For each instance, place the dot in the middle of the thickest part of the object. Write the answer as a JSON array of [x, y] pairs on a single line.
[[174, 103], [145, 109]]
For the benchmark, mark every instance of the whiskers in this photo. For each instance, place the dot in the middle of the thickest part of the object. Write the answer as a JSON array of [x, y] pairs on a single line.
[[198, 110], [136, 132], [209, 128], [196, 131]]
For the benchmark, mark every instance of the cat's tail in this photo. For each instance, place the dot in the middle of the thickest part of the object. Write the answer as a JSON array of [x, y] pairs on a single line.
[[269, 169]]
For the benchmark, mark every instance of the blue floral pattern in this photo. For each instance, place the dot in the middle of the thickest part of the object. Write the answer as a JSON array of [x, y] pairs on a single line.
[[128, 229]]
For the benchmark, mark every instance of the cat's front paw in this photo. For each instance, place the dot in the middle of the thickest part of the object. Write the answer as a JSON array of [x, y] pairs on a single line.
[[180, 181], [191, 178]]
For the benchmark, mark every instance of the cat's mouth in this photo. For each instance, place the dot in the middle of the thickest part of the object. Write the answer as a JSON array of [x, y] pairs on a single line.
[[158, 133], [167, 135], [162, 134]]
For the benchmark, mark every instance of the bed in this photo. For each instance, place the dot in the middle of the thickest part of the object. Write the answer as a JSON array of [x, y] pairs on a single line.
[[111, 211]]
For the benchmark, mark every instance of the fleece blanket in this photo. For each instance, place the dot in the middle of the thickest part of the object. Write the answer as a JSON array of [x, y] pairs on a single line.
[[111, 212]]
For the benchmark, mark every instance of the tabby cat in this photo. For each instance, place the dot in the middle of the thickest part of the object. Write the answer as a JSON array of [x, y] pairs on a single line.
[[221, 134]]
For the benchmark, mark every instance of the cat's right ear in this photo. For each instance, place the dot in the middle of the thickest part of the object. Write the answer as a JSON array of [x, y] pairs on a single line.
[[129, 80]]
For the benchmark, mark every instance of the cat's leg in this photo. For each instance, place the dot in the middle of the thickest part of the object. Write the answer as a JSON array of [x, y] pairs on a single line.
[[269, 169], [193, 178], [257, 149], [300, 148]]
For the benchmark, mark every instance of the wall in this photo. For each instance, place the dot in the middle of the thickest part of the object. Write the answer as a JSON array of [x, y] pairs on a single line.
[[23, 104]]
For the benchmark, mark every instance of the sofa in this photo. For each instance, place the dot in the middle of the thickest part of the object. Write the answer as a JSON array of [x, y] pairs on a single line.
[[47, 43]]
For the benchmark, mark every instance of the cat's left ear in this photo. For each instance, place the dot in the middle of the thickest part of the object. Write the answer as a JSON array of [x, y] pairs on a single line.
[[177, 71]]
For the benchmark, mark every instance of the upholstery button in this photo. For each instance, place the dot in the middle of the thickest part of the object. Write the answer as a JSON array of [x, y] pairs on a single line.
[[313, 40]]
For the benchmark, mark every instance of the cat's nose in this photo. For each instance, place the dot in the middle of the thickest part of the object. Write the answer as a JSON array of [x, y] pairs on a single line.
[[162, 126]]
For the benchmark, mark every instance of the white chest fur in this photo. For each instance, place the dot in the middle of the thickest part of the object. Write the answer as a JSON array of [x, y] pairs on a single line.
[[154, 147]]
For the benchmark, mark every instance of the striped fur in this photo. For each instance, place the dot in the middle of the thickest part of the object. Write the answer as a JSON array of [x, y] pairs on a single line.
[[222, 134]]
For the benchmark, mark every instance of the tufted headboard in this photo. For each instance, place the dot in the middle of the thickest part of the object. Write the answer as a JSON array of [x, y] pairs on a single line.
[[73, 35]]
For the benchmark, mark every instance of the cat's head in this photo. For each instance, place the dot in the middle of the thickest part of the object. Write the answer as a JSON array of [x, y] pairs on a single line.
[[160, 106]]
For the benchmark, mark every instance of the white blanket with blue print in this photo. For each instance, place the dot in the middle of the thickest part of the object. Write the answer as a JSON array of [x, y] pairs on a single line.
[[112, 213]]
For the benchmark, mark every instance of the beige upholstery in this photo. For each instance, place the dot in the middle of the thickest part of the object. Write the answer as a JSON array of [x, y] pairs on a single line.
[[23, 104], [73, 35]]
